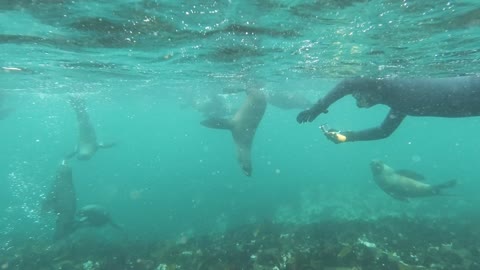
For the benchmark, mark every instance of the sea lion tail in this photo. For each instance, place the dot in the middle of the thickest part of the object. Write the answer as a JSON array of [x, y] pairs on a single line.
[[79, 106], [448, 184], [76, 101]]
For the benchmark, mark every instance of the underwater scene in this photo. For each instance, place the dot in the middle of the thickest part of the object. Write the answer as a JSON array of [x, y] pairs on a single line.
[[237, 135]]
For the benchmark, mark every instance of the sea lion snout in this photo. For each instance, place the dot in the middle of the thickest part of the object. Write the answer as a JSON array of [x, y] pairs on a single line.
[[376, 166], [404, 184], [64, 170]]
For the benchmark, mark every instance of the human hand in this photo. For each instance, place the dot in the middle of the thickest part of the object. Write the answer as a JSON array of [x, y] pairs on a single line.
[[310, 114], [306, 116], [334, 135]]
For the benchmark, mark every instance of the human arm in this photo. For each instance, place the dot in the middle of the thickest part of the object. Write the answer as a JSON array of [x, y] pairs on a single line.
[[342, 89], [388, 126]]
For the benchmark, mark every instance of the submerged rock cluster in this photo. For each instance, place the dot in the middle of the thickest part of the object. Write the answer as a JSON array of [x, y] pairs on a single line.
[[387, 243]]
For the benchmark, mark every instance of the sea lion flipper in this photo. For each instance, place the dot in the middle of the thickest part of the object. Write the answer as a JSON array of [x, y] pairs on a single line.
[[397, 197], [218, 123], [76, 101], [437, 188], [106, 145], [410, 174]]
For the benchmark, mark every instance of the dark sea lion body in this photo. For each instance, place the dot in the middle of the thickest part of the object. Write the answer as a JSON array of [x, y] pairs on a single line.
[[402, 187], [62, 201], [87, 144], [243, 126], [94, 215], [288, 100]]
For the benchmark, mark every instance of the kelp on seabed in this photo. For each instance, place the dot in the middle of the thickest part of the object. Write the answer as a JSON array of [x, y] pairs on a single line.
[[389, 243]]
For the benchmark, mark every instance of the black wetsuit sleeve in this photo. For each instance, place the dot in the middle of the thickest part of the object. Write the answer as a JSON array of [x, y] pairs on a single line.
[[341, 89], [389, 125]]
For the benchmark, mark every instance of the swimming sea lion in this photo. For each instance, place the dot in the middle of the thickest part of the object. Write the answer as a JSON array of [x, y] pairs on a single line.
[[87, 144], [402, 185], [288, 100], [62, 201], [94, 215], [243, 126], [212, 105]]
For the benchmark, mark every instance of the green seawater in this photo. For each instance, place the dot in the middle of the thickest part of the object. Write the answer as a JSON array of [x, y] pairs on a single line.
[[140, 63]]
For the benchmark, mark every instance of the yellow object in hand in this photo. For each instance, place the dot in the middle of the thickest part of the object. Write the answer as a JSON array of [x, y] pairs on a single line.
[[333, 135], [340, 137]]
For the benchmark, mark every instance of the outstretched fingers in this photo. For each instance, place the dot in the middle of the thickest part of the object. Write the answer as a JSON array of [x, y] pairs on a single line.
[[305, 116]]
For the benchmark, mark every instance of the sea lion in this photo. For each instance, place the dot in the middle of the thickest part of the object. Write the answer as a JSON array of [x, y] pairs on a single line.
[[288, 100], [403, 184], [211, 106], [87, 144], [243, 126], [62, 200], [94, 215]]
